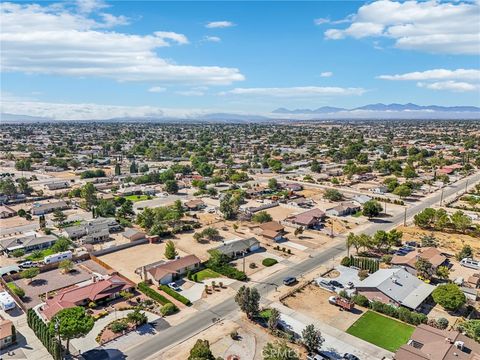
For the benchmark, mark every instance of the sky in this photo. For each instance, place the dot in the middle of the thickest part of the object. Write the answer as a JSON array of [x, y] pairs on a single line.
[[97, 59]]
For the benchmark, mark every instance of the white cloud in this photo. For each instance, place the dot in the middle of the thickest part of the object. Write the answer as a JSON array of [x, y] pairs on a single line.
[[431, 26], [456, 86], [88, 6], [436, 74], [326, 74], [211, 39], [190, 92], [88, 111], [219, 24], [157, 89], [321, 21], [300, 91], [57, 40]]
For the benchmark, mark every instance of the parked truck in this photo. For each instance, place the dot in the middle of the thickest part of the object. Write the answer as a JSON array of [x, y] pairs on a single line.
[[341, 302]]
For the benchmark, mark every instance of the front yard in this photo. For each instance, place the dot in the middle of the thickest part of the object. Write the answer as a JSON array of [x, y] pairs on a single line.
[[206, 274], [382, 331]]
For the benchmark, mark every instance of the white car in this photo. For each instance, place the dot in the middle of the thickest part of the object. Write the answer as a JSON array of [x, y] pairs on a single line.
[[27, 264], [174, 286]]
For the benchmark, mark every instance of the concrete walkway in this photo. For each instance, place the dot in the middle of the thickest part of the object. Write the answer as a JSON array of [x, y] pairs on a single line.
[[88, 342], [336, 342]]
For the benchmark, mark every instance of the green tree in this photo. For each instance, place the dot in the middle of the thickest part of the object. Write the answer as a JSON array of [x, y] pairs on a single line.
[[201, 351], [461, 221], [171, 186], [443, 272], [73, 323], [425, 219], [30, 273], [228, 207], [273, 184], [58, 216], [66, 266], [466, 252], [332, 195], [424, 268], [106, 208], [372, 208], [118, 170], [23, 186], [170, 251], [279, 351], [273, 319], [125, 210], [449, 296], [312, 338], [62, 244], [402, 191], [409, 172], [248, 300], [88, 194], [261, 217], [137, 317]]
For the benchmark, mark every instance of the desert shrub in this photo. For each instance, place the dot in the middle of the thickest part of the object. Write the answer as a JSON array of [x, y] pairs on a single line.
[[168, 309], [269, 262]]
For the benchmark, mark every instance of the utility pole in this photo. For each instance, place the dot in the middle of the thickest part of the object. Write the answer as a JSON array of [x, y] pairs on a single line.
[[405, 217], [385, 206], [466, 186], [243, 261], [441, 198]]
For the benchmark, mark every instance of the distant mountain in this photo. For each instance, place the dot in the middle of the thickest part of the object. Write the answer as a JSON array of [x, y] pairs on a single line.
[[380, 107]]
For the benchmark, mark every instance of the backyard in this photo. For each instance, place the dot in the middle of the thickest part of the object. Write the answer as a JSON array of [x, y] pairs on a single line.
[[382, 331]]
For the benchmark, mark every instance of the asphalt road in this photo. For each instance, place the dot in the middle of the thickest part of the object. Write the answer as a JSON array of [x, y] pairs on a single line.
[[203, 319]]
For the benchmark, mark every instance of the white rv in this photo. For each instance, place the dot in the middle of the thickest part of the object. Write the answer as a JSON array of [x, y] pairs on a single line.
[[470, 263], [54, 258], [6, 301]]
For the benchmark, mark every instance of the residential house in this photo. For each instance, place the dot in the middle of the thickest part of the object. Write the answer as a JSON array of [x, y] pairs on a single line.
[[361, 199], [429, 343], [272, 230], [7, 335], [301, 201], [27, 242], [233, 248], [132, 234], [381, 190], [292, 187], [311, 219], [165, 272], [98, 290], [408, 261], [57, 185], [92, 231], [6, 212], [396, 287], [42, 209], [194, 204], [344, 209]]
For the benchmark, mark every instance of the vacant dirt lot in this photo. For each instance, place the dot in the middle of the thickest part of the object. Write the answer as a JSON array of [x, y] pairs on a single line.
[[126, 261], [313, 301], [450, 243]]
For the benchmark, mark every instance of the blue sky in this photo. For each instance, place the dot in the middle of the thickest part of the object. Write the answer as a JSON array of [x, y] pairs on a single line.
[[235, 56]]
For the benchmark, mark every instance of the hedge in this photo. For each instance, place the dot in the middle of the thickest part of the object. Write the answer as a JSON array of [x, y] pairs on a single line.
[[175, 295], [269, 262], [230, 272], [371, 265], [144, 288], [43, 334], [168, 309]]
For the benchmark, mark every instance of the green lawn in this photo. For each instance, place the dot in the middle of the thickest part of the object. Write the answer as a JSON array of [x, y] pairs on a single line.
[[135, 198], [381, 331], [40, 255], [357, 214], [206, 274]]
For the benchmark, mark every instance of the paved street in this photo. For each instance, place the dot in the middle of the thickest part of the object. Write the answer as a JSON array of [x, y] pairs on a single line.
[[203, 319]]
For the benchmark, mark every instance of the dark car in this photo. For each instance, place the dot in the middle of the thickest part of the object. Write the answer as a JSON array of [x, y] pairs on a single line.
[[336, 284], [349, 356], [289, 280]]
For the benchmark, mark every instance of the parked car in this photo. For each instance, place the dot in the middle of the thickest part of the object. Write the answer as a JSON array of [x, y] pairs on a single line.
[[321, 356], [27, 264], [470, 263], [289, 281], [349, 356], [336, 284], [174, 286], [412, 244], [350, 285], [326, 285]]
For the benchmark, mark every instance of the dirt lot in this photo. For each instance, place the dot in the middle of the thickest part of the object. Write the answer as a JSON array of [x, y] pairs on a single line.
[[313, 301], [127, 260], [13, 221], [279, 213], [450, 243]]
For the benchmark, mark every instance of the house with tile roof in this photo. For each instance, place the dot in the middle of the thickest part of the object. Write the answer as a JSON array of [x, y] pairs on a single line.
[[408, 261], [164, 272]]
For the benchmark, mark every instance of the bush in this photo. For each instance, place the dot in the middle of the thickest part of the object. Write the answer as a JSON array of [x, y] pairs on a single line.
[[269, 262], [387, 259], [361, 300], [442, 323], [175, 295], [168, 309], [118, 326], [345, 261], [16, 290], [143, 287], [230, 272]]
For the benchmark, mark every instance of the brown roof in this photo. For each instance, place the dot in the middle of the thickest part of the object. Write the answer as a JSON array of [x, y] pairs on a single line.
[[194, 203], [307, 217], [271, 226], [173, 267], [433, 255], [5, 328], [430, 343], [92, 292]]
